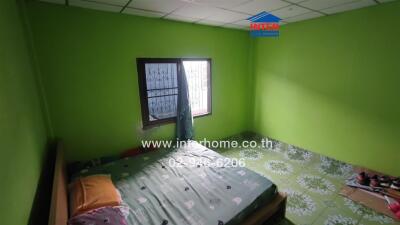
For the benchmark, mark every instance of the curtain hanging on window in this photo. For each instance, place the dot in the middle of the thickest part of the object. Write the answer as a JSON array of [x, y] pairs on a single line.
[[184, 123]]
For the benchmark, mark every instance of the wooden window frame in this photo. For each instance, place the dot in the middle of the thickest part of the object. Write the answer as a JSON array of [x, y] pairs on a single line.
[[140, 63]]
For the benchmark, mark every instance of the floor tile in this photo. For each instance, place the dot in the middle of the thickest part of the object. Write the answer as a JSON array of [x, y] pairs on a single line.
[[319, 184], [299, 156], [312, 182], [302, 208], [368, 215], [379, 220], [334, 216]]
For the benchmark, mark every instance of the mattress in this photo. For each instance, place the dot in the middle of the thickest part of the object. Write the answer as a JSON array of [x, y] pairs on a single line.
[[189, 185]]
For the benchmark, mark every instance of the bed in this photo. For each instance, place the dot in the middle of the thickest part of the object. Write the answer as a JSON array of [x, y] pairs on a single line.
[[161, 187]]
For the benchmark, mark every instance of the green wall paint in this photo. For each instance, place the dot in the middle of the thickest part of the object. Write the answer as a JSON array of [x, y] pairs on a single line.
[[87, 59], [328, 84], [22, 129], [332, 85]]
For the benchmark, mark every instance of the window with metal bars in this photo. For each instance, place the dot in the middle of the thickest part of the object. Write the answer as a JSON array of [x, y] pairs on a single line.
[[158, 83]]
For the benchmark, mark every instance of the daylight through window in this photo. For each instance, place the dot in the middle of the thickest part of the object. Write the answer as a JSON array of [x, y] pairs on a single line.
[[158, 79]]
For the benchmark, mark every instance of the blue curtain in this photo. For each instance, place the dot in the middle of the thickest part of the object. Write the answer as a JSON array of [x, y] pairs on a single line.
[[184, 119]]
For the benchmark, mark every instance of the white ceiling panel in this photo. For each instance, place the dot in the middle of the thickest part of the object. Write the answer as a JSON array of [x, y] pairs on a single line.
[[180, 18], [210, 22], [113, 2], [323, 4], [62, 2], [94, 5], [306, 16], [256, 6], [219, 3], [145, 13], [166, 6], [235, 26], [295, 1], [196, 11], [349, 6], [245, 23], [227, 16], [290, 11], [226, 13]]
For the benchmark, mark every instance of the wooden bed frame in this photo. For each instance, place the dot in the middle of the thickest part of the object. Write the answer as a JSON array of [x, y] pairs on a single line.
[[269, 214]]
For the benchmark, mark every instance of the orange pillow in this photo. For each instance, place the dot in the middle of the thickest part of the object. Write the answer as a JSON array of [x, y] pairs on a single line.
[[92, 192]]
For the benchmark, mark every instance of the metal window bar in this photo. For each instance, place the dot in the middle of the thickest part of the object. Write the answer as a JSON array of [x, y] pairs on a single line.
[[162, 88]]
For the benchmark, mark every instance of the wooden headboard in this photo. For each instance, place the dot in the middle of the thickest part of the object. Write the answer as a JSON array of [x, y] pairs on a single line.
[[59, 196]]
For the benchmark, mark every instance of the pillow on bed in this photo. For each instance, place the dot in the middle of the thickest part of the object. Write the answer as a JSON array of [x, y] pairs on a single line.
[[104, 215], [92, 192]]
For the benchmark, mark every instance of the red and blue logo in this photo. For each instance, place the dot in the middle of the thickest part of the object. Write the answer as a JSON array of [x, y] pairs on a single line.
[[264, 25]]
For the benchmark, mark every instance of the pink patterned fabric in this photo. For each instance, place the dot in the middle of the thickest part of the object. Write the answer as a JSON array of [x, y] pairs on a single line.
[[101, 216]]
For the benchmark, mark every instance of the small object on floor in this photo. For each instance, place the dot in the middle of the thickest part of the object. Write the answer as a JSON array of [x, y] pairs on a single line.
[[393, 206], [384, 181], [395, 184], [353, 182], [374, 182], [362, 178]]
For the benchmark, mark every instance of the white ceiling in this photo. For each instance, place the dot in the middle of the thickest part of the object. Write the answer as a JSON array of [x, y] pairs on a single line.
[[225, 13]]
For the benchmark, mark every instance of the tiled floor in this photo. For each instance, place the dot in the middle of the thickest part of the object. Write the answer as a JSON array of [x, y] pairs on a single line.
[[312, 183]]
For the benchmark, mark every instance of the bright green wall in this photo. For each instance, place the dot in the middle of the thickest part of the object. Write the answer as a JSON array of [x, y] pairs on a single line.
[[88, 64], [22, 130], [328, 84], [332, 85]]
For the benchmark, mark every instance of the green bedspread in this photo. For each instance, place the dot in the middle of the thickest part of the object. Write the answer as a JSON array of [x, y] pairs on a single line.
[[162, 187]]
